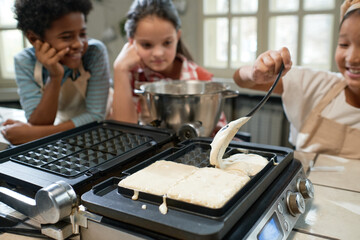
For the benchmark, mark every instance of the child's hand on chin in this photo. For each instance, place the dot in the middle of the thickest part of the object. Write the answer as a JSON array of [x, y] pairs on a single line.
[[128, 58], [50, 58]]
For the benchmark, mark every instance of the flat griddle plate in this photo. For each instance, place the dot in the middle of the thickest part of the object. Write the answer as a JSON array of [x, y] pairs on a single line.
[[197, 154], [186, 222]]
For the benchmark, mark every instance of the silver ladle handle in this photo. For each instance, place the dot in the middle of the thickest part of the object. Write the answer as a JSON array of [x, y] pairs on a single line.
[[51, 204]]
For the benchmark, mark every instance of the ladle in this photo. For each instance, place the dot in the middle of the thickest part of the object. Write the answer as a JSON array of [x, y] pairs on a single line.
[[226, 134]]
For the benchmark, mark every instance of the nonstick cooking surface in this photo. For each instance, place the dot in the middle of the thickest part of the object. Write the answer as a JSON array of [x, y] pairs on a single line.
[[183, 220], [198, 154], [77, 155]]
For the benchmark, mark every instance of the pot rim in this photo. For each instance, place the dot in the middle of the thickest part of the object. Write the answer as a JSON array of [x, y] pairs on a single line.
[[144, 87]]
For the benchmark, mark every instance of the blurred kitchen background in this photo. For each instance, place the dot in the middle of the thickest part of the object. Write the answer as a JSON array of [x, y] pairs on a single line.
[[222, 35]]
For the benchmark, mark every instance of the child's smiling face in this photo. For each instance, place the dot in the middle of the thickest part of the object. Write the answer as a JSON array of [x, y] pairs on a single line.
[[156, 40], [347, 54], [69, 31]]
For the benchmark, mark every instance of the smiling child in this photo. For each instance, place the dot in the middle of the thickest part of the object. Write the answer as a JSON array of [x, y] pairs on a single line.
[[323, 107], [64, 79]]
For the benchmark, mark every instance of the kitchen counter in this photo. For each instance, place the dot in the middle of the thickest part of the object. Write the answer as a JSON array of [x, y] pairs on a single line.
[[334, 213]]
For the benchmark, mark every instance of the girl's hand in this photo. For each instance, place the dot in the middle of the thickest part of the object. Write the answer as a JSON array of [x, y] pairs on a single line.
[[50, 58], [123, 107], [128, 58], [267, 65]]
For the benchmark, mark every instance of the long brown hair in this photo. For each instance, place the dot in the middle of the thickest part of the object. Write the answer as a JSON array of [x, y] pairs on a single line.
[[164, 9]]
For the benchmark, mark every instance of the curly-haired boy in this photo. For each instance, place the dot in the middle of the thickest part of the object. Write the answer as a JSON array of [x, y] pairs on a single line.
[[63, 79]]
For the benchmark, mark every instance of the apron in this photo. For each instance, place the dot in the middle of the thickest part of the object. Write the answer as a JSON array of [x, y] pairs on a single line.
[[72, 94], [323, 135]]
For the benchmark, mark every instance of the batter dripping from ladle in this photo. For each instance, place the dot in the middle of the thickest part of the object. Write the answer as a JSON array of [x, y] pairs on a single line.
[[226, 134]]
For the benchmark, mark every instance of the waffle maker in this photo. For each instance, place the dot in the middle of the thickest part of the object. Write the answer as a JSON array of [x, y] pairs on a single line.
[[267, 207], [43, 179], [68, 184]]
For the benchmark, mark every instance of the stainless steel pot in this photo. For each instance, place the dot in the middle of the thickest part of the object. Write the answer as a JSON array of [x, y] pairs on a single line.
[[192, 108]]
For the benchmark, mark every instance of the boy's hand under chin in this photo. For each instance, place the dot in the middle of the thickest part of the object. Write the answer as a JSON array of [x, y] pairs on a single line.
[[50, 58]]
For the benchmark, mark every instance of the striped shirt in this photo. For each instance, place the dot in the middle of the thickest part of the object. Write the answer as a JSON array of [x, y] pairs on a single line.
[[95, 61]]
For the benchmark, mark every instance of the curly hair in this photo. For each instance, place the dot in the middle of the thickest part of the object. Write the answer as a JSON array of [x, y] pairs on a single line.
[[38, 15]]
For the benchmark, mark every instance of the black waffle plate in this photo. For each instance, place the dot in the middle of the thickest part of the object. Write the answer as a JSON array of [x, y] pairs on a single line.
[[79, 153], [83, 151]]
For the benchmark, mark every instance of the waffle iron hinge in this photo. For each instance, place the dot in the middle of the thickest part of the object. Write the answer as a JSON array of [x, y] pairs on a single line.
[[51, 203], [55, 207]]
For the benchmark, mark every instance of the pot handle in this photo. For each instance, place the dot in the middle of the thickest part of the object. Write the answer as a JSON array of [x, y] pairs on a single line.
[[230, 93], [139, 91]]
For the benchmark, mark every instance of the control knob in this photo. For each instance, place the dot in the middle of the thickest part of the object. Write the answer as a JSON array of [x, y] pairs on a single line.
[[295, 203], [306, 188]]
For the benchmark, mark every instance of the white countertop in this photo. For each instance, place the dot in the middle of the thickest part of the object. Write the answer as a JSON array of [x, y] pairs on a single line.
[[334, 213]]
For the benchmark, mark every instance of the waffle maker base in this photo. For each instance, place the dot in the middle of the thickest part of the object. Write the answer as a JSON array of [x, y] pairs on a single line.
[[124, 216]]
